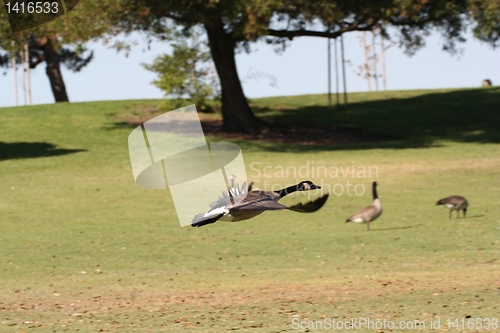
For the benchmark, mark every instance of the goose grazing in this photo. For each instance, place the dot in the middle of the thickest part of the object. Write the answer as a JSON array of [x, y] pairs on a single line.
[[455, 202], [370, 213], [244, 203]]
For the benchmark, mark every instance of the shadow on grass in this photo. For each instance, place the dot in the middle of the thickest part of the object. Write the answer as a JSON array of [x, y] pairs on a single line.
[[119, 125], [15, 150], [396, 122], [468, 115], [398, 228], [475, 216]]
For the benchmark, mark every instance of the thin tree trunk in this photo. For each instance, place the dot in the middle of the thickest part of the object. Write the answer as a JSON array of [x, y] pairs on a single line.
[[336, 73], [375, 61], [23, 62], [14, 72], [27, 69], [236, 113], [329, 77], [343, 69], [382, 59], [53, 70], [367, 67]]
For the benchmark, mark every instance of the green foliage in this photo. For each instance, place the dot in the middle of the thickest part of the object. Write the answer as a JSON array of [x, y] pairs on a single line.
[[234, 24], [75, 59], [186, 73], [486, 16], [281, 21]]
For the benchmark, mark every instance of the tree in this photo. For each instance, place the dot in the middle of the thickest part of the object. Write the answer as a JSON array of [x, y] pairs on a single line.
[[186, 73], [43, 49], [59, 41], [486, 16], [232, 25]]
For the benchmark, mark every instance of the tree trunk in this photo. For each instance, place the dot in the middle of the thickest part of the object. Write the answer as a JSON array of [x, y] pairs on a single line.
[[236, 113], [367, 66], [53, 69]]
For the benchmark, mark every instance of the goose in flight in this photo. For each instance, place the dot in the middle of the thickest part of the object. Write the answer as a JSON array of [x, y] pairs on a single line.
[[239, 204]]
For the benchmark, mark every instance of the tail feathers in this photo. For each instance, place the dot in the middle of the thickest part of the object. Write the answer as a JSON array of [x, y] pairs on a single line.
[[201, 220], [311, 206]]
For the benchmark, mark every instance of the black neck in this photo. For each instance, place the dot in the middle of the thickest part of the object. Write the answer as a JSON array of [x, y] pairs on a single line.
[[374, 189], [288, 190]]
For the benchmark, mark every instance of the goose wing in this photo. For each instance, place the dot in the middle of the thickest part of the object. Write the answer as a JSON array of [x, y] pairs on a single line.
[[452, 200], [201, 220], [233, 191], [258, 202], [310, 206], [222, 201]]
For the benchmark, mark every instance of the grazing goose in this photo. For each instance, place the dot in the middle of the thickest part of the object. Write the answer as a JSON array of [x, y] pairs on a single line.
[[244, 206], [455, 202], [370, 213]]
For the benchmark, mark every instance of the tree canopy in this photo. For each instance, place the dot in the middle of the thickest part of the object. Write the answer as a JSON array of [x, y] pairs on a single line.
[[233, 24], [60, 40]]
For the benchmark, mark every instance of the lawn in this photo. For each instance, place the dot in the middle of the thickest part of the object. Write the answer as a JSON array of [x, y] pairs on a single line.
[[84, 249]]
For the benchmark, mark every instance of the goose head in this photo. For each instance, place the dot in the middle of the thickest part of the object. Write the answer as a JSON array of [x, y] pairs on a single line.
[[307, 185]]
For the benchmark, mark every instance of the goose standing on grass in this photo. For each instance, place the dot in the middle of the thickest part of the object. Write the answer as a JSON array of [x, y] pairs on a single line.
[[455, 202], [243, 204], [370, 213]]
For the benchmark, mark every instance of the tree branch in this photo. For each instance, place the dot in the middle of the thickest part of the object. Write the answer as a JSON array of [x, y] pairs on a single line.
[[35, 59], [183, 18], [326, 34]]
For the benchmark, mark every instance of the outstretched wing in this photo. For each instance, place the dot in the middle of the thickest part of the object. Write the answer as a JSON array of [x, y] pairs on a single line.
[[258, 203], [310, 206], [233, 191], [201, 220]]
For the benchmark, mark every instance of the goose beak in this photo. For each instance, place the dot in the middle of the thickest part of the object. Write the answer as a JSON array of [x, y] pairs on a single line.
[[314, 187]]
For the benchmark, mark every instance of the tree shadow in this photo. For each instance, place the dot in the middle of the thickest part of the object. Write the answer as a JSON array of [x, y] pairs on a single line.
[[16, 150], [118, 125], [423, 121], [468, 115]]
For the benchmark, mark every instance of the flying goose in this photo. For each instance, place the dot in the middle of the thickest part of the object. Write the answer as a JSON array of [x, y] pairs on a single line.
[[455, 202], [370, 213], [235, 207]]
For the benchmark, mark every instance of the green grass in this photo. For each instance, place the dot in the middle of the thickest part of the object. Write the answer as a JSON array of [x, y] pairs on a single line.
[[84, 249]]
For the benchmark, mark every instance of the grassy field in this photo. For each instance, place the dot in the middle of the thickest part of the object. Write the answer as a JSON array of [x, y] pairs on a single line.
[[84, 249]]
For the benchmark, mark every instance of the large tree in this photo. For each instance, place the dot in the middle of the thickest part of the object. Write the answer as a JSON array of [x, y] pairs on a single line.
[[59, 41], [233, 24]]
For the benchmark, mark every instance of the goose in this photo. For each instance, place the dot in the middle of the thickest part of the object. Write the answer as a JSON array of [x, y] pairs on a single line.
[[234, 207], [455, 202], [369, 213]]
